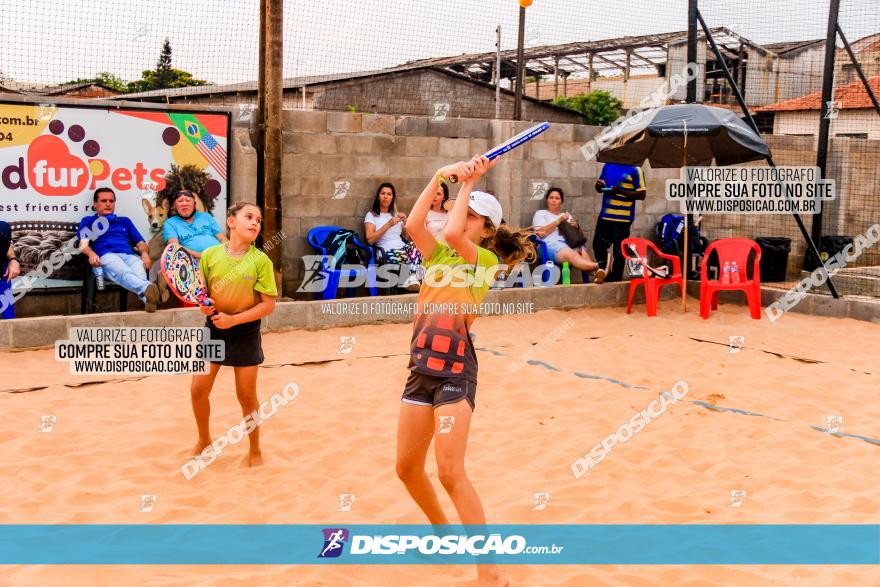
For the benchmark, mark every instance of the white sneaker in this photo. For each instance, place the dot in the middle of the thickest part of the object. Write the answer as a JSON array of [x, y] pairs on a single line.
[[412, 283]]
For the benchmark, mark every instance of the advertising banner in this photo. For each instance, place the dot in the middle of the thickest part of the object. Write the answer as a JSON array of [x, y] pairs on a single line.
[[53, 157]]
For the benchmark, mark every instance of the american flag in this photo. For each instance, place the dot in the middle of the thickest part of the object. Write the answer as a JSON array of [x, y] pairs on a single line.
[[214, 153]]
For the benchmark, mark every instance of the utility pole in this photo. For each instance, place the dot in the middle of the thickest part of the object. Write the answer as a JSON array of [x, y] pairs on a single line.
[[691, 98], [270, 100], [261, 105], [692, 49], [825, 109], [498, 72], [520, 66]]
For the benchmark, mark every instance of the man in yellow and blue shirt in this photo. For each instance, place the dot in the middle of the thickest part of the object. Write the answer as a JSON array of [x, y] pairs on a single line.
[[621, 187]]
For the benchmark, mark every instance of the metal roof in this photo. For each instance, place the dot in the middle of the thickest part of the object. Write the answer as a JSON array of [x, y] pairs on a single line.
[[603, 57], [53, 89], [851, 95], [248, 87], [609, 55], [787, 46]]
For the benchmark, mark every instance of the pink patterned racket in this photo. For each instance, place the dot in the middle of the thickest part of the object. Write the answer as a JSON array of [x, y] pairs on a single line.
[[182, 273]]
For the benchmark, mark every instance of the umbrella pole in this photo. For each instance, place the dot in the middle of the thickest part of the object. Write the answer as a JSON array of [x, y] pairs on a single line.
[[685, 260], [686, 266]]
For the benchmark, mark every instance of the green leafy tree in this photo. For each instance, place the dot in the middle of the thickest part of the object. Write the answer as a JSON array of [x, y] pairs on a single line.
[[598, 108], [104, 78], [108, 80], [164, 76]]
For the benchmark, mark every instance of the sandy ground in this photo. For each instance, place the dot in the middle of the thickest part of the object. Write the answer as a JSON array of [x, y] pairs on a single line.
[[115, 441]]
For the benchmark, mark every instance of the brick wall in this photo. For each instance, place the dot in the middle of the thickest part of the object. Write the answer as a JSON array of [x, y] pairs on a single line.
[[321, 148]]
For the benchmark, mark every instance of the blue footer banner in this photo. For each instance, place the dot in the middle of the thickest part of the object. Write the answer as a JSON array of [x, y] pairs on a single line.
[[624, 544]]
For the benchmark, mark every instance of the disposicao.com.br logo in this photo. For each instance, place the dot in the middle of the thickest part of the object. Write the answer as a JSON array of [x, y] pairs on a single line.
[[318, 271], [334, 540]]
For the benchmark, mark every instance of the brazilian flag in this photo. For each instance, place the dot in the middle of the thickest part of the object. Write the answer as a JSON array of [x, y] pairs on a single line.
[[189, 127]]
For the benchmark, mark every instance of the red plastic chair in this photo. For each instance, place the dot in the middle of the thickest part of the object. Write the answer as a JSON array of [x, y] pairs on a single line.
[[731, 250], [652, 285]]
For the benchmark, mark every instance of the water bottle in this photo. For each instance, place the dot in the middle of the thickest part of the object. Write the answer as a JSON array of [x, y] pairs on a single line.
[[734, 273], [99, 277], [726, 277], [566, 274]]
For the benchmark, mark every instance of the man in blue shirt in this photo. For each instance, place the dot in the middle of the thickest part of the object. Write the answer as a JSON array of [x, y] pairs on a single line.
[[621, 187], [112, 251], [194, 231]]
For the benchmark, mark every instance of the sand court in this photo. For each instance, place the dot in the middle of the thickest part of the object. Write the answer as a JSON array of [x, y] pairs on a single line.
[[552, 385]]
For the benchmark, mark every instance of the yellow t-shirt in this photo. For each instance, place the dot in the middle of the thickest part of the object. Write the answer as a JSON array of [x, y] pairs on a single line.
[[235, 283], [441, 344]]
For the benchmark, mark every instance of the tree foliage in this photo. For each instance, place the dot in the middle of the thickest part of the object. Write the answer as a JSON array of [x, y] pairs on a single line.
[[103, 78], [598, 108], [164, 76]]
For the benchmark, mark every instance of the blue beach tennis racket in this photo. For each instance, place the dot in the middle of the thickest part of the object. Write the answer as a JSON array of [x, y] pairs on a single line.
[[511, 143]]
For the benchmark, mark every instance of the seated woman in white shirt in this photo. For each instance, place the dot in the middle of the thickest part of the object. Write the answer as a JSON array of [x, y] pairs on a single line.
[[385, 228], [437, 215], [546, 223]]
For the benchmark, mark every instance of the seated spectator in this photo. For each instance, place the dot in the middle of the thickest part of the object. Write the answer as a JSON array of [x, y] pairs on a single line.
[[111, 256], [192, 230], [437, 215], [546, 223], [9, 270], [385, 228]]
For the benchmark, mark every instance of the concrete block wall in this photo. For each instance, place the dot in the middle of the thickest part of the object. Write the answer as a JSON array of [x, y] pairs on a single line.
[[416, 92], [852, 163], [243, 157], [855, 164], [413, 92], [787, 150], [326, 149]]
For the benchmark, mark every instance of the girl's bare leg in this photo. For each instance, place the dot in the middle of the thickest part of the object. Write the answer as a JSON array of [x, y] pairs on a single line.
[[415, 427], [200, 391], [246, 391], [450, 448]]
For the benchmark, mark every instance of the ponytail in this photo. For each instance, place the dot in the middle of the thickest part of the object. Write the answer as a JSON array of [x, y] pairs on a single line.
[[513, 246]]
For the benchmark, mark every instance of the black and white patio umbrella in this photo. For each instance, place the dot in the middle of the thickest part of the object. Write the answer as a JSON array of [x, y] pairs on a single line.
[[681, 135]]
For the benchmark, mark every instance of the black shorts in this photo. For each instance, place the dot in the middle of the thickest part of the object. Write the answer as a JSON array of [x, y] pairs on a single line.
[[427, 390], [243, 344]]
